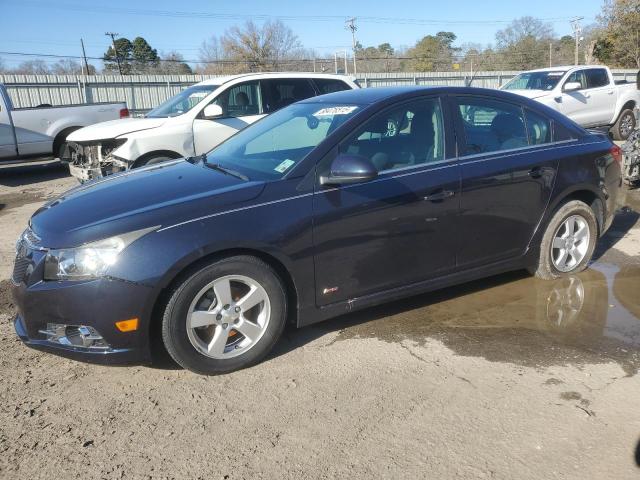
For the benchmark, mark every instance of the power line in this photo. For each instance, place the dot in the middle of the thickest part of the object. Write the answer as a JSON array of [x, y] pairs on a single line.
[[256, 16], [115, 49], [350, 24]]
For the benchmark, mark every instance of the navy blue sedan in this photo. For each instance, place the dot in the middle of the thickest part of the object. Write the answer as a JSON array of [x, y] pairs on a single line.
[[330, 205]]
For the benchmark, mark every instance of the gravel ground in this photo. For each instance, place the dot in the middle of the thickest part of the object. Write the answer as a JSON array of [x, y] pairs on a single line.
[[502, 378]]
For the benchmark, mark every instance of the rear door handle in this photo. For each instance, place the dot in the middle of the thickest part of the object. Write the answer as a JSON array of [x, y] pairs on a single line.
[[536, 172], [439, 196]]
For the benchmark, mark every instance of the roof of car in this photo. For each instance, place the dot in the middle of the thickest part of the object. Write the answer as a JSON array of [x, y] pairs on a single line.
[[565, 68], [366, 96], [266, 75]]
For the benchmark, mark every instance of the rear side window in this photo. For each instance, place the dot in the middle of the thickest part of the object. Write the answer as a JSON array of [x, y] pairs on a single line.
[[328, 85], [279, 93], [491, 125], [538, 128], [597, 77]]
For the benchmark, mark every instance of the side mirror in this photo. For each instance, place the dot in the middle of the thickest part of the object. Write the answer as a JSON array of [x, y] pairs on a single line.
[[212, 111], [346, 169], [572, 86]]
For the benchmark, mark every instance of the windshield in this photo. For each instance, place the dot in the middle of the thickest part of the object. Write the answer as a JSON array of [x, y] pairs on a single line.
[[183, 102], [535, 81], [270, 148]]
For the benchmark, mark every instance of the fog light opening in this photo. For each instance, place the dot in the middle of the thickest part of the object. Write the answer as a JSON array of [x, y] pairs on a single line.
[[80, 336]]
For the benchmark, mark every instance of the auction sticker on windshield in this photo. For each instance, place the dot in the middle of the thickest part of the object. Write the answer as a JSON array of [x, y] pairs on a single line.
[[284, 166], [345, 110]]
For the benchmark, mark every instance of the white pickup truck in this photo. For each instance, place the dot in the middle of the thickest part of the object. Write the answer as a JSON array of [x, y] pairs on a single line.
[[40, 132], [192, 122], [588, 95]]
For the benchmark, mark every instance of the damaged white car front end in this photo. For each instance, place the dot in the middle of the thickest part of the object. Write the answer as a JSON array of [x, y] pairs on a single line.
[[89, 160]]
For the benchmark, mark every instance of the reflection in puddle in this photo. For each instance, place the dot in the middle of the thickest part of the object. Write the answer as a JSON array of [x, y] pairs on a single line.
[[591, 317]]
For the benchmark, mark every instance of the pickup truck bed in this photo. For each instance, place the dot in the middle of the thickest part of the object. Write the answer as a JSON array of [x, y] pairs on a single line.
[[37, 132]]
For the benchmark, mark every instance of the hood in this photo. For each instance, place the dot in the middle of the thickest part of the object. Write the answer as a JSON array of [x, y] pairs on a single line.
[[531, 93], [159, 195], [114, 128]]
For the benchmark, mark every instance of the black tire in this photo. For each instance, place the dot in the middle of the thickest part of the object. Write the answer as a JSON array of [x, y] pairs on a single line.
[[545, 267], [174, 322], [624, 126]]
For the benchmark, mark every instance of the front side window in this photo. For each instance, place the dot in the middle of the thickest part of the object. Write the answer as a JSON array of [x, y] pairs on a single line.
[[270, 148], [281, 92], [183, 102], [411, 134], [491, 125], [538, 128], [240, 100], [597, 77], [578, 77], [535, 81]]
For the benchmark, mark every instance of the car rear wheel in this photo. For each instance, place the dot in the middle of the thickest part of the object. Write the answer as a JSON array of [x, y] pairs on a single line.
[[226, 316], [625, 125], [568, 242]]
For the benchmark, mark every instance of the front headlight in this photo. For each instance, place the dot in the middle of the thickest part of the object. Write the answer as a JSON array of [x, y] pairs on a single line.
[[91, 260]]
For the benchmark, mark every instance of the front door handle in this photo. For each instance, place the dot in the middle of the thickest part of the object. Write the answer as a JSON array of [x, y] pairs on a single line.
[[439, 196]]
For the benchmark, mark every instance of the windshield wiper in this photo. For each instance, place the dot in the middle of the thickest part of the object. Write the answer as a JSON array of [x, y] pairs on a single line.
[[228, 171], [216, 166]]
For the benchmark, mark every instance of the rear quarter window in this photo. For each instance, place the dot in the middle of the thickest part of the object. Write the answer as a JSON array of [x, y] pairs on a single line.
[[561, 133], [538, 128]]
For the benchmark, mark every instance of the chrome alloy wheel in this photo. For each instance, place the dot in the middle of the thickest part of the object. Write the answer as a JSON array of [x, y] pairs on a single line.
[[570, 243], [228, 316]]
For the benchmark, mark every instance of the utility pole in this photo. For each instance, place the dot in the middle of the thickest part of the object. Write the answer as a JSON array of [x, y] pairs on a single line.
[[550, 53], [84, 55], [577, 32], [115, 49], [335, 58], [350, 24]]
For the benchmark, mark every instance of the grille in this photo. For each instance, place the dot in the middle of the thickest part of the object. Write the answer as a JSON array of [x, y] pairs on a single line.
[[20, 269]]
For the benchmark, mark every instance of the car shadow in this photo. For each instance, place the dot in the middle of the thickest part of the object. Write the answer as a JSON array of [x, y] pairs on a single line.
[[20, 175], [625, 220]]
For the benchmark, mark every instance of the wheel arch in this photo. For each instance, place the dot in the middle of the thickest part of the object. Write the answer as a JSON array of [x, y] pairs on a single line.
[[187, 269], [155, 153], [61, 136], [586, 195]]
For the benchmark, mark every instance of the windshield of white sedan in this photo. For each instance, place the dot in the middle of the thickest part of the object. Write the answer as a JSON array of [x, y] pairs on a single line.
[[183, 102], [535, 81], [270, 148]]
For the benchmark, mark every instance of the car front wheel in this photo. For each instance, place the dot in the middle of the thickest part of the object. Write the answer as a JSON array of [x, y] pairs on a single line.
[[225, 316], [568, 242]]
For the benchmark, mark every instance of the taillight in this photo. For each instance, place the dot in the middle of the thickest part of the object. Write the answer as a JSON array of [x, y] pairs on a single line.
[[124, 112], [616, 153]]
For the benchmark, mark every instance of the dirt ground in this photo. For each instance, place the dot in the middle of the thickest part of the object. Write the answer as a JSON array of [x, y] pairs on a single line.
[[504, 378]]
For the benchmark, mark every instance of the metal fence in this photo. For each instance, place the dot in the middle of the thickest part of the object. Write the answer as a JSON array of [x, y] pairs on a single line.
[[143, 92]]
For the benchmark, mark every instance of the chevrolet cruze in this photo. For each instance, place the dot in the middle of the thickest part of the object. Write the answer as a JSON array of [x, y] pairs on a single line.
[[329, 205]]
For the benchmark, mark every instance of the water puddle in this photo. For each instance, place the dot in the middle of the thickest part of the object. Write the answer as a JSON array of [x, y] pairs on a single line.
[[592, 317]]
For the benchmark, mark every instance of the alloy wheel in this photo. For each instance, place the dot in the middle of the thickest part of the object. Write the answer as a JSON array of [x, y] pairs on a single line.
[[228, 316], [570, 243]]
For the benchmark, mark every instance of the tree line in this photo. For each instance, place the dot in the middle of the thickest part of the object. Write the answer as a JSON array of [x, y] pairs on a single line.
[[525, 43]]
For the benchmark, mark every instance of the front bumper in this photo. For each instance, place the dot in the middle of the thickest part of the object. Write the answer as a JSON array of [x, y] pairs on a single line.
[[111, 356], [96, 303]]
